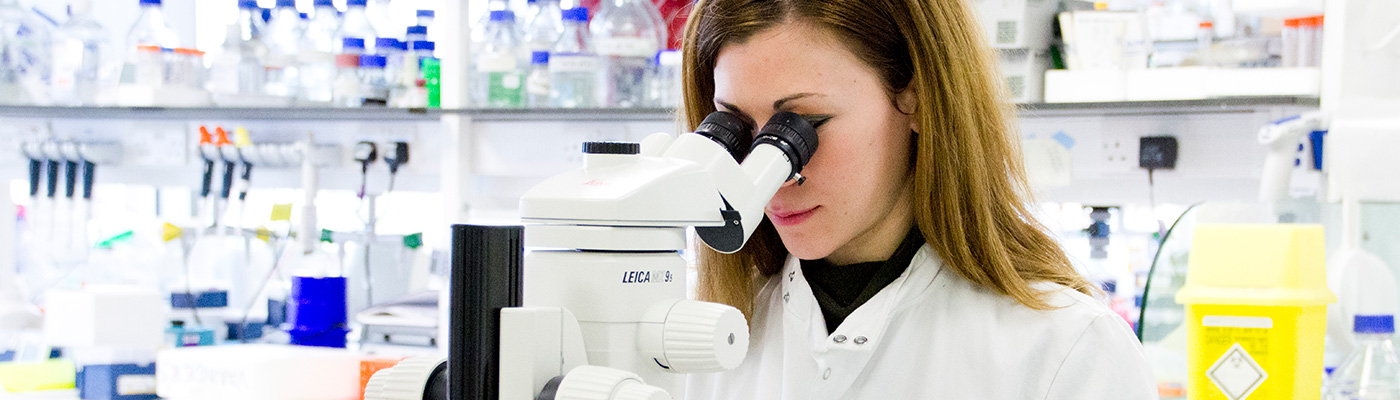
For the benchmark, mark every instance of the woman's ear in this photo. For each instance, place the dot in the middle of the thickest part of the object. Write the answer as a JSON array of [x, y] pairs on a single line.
[[907, 101]]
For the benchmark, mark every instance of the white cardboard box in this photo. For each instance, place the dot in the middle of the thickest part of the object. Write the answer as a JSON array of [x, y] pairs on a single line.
[[1017, 24], [258, 371], [100, 315]]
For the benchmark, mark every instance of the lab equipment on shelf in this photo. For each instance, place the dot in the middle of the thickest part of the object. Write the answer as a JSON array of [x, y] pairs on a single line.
[[283, 38], [25, 68], [355, 22], [319, 46], [499, 73], [544, 25], [374, 82], [80, 57], [150, 30], [574, 77], [537, 81], [627, 36]]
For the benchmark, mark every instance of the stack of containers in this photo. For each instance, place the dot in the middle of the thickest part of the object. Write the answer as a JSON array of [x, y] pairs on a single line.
[[1020, 30], [1302, 42]]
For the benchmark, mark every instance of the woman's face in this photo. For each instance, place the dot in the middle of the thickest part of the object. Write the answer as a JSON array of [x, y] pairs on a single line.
[[855, 204]]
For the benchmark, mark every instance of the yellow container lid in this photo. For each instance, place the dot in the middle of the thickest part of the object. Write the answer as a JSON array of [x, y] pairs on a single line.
[[1258, 265]]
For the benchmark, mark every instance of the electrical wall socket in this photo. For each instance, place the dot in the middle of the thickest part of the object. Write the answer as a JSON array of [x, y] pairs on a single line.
[[1118, 153]]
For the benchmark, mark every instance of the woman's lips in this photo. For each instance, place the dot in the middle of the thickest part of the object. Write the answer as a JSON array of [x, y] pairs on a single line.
[[789, 218]]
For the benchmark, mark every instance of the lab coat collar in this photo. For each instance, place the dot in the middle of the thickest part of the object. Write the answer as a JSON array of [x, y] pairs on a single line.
[[845, 352]]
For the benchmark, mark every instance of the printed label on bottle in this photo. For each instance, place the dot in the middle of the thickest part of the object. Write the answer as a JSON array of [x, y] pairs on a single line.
[[627, 47], [130, 385], [573, 63], [496, 63], [504, 89], [67, 63], [537, 84]]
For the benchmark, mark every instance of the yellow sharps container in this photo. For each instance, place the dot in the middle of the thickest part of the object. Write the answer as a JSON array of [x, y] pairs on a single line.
[[1256, 312]]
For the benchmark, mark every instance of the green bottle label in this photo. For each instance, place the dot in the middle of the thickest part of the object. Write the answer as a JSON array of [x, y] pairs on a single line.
[[506, 89]]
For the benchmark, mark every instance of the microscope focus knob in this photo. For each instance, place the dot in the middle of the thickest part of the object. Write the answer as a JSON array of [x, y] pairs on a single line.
[[408, 380], [704, 337], [591, 382]]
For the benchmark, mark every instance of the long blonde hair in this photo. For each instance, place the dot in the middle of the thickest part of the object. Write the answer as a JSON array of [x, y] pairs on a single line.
[[969, 188]]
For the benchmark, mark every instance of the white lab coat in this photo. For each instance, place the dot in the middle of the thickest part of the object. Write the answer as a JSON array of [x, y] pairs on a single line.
[[932, 335]]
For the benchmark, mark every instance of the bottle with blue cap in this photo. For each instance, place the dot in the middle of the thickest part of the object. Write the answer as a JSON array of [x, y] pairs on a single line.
[[500, 75], [283, 39], [374, 84], [544, 26], [425, 17], [319, 46], [150, 29], [574, 68], [479, 36], [627, 36], [238, 68], [1372, 371], [416, 33], [537, 81], [355, 22]]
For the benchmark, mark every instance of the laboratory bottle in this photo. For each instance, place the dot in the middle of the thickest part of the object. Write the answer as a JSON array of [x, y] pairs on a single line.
[[574, 68], [1205, 37], [667, 85], [317, 57], [423, 49], [479, 36], [26, 42], [355, 23], [78, 51], [1372, 370], [425, 17], [379, 12], [499, 80], [416, 33], [283, 39], [393, 58], [347, 81], [352, 45], [1289, 36], [226, 67], [150, 29], [250, 21], [537, 82], [321, 31], [374, 84], [627, 38], [545, 26]]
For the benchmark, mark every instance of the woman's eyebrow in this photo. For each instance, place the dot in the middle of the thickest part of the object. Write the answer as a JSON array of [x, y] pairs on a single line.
[[735, 109], [778, 105]]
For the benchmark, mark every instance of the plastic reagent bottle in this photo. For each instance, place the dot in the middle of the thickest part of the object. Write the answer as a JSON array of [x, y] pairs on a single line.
[[1372, 371], [283, 40], [78, 51], [545, 25], [355, 23], [574, 73], [537, 82], [627, 38], [374, 84], [150, 29], [499, 79]]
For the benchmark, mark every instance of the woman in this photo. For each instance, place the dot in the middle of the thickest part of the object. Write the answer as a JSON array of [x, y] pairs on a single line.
[[908, 265]]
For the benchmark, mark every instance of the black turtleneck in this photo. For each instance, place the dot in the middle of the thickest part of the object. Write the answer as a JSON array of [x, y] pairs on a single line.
[[840, 290]]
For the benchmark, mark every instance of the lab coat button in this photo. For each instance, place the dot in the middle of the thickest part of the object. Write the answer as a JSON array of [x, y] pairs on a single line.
[[861, 340], [786, 296], [826, 374], [839, 339]]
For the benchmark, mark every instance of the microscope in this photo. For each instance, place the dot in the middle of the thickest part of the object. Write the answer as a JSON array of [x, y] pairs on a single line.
[[597, 309]]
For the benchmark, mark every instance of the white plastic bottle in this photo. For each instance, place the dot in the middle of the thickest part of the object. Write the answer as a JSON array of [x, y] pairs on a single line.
[[1372, 371], [500, 76], [79, 49], [317, 57], [545, 25], [574, 68], [150, 29], [627, 38], [355, 23], [666, 87], [283, 39]]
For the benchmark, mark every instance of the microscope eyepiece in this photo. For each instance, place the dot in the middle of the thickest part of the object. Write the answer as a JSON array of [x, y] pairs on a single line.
[[729, 131], [793, 135]]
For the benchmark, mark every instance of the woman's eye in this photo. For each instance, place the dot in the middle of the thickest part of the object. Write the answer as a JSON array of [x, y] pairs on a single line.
[[817, 120]]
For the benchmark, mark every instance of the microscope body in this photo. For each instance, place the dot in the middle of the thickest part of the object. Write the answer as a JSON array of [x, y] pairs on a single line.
[[597, 309]]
